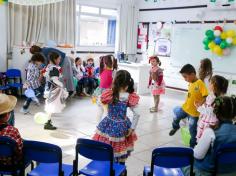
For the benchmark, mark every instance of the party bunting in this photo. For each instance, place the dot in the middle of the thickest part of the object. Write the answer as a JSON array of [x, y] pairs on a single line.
[[219, 41]]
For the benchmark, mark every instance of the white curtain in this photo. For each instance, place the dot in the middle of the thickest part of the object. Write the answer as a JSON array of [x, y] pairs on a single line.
[[40, 24], [127, 29]]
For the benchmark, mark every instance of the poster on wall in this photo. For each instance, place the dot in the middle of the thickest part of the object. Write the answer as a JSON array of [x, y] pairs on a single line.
[[163, 47], [142, 37], [159, 38]]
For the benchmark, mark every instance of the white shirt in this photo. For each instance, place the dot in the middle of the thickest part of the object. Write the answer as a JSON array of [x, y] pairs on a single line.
[[124, 97], [204, 143]]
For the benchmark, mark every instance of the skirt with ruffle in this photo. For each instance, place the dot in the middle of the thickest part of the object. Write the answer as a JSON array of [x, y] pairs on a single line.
[[114, 132]]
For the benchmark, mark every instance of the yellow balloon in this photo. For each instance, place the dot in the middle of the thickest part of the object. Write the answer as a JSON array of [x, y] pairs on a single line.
[[230, 33], [217, 50], [1, 2], [234, 41], [211, 45], [41, 118], [223, 35]]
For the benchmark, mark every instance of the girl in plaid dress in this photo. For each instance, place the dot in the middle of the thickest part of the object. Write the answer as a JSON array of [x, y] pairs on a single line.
[[116, 128]]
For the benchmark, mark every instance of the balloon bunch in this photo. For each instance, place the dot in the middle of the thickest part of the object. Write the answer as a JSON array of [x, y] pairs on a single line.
[[219, 41], [2, 1]]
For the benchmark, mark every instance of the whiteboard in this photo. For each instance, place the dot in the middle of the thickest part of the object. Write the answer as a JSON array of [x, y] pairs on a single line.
[[187, 47]]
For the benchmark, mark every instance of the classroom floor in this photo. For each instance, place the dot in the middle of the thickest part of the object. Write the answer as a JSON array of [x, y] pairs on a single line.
[[79, 121]]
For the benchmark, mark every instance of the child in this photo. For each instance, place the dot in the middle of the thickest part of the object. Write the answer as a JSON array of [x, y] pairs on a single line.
[[212, 139], [197, 92], [218, 87], [79, 72], [90, 81], [205, 71], [55, 93], [116, 128], [7, 104], [33, 80], [156, 82], [106, 77]]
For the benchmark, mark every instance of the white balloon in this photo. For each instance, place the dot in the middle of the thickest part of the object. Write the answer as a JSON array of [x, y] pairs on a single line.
[[229, 40], [217, 33], [226, 52]]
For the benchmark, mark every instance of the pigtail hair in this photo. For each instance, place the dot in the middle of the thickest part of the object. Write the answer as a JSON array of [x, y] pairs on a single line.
[[102, 65]]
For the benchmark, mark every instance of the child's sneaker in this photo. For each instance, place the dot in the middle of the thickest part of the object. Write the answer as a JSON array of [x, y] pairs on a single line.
[[153, 109], [24, 111], [49, 126], [172, 132]]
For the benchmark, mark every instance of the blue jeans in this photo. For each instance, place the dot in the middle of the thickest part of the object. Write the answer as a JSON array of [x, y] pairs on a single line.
[[91, 84], [181, 114], [38, 93], [80, 86]]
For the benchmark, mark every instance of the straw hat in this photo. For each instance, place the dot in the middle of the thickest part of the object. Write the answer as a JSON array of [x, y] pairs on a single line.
[[7, 103]]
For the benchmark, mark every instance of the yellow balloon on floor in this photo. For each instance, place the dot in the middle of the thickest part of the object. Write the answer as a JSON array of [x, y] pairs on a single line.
[[41, 118], [230, 33], [223, 35]]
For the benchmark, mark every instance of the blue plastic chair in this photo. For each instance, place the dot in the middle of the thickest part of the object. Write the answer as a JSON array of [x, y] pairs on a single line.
[[167, 161], [102, 156], [7, 150], [226, 159], [13, 74], [48, 156]]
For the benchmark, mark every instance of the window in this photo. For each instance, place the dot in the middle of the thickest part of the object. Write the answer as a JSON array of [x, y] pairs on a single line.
[[96, 26], [88, 9]]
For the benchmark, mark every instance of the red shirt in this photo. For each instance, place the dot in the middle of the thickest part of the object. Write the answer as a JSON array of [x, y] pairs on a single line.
[[13, 133]]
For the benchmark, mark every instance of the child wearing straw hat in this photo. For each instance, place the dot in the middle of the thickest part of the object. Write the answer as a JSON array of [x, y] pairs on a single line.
[[7, 104]]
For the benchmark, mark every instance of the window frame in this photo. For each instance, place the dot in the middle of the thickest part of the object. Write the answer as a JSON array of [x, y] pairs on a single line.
[[79, 13]]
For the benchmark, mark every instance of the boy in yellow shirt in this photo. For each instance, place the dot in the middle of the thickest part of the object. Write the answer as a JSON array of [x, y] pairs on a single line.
[[197, 93]]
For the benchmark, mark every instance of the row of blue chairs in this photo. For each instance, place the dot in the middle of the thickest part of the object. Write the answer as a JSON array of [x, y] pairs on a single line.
[[166, 161], [49, 159], [11, 79]]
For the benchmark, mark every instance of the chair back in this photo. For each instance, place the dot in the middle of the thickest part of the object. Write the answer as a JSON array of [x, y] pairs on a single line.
[[226, 158], [172, 157], [94, 150], [13, 73], [7, 150], [43, 153]]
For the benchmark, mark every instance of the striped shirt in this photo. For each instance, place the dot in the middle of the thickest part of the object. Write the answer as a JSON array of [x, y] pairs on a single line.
[[33, 74]]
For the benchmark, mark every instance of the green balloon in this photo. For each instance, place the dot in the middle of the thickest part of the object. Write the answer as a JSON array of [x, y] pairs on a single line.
[[209, 33], [211, 37], [206, 41], [206, 47], [223, 44]]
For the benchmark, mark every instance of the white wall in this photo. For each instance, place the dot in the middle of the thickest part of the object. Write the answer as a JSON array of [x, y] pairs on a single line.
[[171, 72], [182, 14], [3, 38], [101, 3]]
